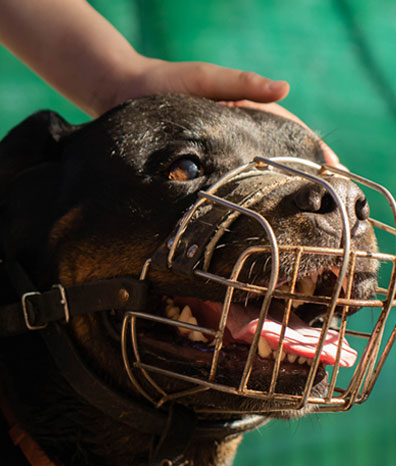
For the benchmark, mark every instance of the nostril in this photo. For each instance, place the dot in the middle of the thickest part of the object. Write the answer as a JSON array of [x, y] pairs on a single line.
[[314, 199], [362, 209], [327, 204]]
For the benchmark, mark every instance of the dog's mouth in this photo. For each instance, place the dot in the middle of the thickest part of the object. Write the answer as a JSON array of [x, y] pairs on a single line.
[[189, 351]]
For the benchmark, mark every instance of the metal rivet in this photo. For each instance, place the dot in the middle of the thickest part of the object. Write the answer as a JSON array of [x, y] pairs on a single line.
[[170, 243], [192, 250], [123, 295]]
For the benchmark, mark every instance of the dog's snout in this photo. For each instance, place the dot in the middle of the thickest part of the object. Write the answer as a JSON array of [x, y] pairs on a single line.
[[313, 198], [317, 199]]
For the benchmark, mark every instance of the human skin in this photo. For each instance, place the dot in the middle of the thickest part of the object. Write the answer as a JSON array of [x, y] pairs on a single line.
[[81, 55]]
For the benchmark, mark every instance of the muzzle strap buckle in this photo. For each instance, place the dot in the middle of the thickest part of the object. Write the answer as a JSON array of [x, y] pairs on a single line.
[[24, 302]]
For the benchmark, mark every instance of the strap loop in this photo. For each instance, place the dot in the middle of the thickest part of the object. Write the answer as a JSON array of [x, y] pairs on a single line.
[[36, 309], [24, 303]]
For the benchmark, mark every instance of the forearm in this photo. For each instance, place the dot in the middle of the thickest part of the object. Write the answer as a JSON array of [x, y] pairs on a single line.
[[79, 53], [72, 47]]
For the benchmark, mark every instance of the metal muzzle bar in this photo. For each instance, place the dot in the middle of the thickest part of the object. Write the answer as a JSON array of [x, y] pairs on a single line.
[[190, 253]]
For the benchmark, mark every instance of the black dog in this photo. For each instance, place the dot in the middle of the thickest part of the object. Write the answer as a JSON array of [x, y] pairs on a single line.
[[94, 202]]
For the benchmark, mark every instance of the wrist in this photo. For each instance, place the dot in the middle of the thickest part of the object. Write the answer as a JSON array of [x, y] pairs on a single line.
[[131, 79]]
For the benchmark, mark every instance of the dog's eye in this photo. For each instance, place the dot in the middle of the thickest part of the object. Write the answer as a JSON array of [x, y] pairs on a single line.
[[184, 170]]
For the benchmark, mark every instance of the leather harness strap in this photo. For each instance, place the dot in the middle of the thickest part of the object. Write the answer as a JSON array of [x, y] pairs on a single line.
[[33, 453], [36, 310]]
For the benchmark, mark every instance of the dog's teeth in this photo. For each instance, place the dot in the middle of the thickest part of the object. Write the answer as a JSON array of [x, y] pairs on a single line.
[[186, 317], [284, 287], [301, 360], [197, 336], [172, 311], [283, 356], [307, 285], [336, 272], [264, 349], [292, 358], [297, 303]]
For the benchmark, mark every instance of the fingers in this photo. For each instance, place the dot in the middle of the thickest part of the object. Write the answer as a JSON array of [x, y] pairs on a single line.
[[330, 157], [216, 82]]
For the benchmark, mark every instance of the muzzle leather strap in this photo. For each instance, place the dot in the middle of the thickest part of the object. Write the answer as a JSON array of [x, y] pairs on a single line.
[[36, 310], [207, 225]]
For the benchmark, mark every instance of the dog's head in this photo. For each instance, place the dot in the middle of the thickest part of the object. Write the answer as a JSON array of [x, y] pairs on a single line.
[[94, 202]]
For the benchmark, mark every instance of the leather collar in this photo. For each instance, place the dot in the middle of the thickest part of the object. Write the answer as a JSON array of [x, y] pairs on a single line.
[[30, 449]]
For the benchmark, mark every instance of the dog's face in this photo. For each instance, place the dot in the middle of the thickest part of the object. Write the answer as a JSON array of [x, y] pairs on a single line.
[[106, 196]]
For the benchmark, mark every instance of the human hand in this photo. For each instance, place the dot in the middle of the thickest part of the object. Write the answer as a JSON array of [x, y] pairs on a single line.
[[215, 82], [199, 79]]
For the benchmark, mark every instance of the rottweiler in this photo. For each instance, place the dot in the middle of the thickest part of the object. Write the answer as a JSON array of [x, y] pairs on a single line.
[[91, 203]]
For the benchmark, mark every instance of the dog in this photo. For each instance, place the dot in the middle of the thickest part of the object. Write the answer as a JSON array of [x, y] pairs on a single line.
[[90, 203]]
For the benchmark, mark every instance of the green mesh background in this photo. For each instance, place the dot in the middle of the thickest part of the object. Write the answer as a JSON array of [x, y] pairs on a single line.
[[340, 58]]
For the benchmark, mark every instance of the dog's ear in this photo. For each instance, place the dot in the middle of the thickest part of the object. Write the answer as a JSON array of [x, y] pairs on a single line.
[[32, 142], [29, 156]]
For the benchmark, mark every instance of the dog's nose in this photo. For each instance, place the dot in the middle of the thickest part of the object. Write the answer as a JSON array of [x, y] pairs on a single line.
[[317, 199]]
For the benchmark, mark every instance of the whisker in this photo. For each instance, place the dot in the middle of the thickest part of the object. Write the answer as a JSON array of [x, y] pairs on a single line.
[[251, 269]]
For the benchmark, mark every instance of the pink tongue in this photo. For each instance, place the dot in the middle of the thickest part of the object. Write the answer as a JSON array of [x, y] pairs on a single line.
[[300, 339]]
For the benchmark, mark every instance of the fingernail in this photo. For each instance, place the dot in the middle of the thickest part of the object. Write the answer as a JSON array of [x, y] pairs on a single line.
[[330, 157], [277, 86]]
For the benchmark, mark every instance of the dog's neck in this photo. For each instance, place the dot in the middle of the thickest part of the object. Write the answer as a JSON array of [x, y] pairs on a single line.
[[73, 432], [111, 444]]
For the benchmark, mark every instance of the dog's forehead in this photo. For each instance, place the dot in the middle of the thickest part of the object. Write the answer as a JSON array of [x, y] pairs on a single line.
[[160, 119], [154, 123]]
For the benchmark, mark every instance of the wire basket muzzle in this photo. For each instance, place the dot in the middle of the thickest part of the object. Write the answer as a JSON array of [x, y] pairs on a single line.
[[189, 251]]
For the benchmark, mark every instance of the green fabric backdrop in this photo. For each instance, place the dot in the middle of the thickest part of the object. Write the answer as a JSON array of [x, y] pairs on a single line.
[[340, 58]]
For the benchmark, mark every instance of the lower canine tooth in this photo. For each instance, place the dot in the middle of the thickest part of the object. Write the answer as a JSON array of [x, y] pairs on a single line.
[[186, 317], [197, 336], [264, 349], [307, 285]]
